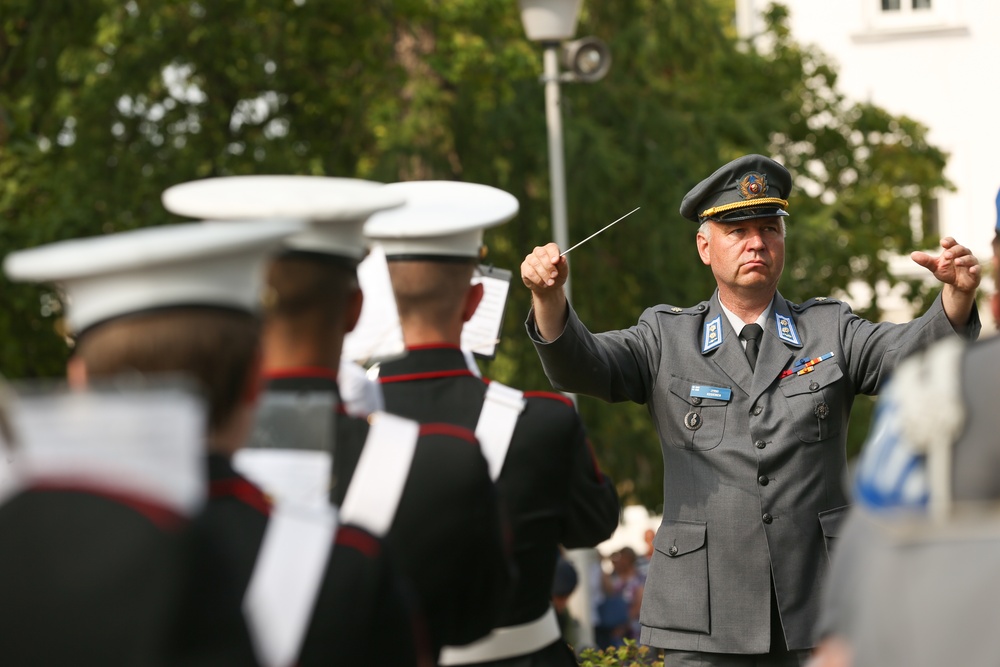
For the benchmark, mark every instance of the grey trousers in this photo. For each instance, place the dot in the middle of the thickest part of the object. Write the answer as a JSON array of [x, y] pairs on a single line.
[[700, 659]]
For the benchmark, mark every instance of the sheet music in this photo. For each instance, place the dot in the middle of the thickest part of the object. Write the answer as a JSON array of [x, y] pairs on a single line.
[[377, 335], [482, 333]]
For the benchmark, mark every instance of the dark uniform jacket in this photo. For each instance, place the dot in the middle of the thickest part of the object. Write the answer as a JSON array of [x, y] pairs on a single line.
[[359, 606], [551, 486], [753, 462], [88, 577], [447, 535]]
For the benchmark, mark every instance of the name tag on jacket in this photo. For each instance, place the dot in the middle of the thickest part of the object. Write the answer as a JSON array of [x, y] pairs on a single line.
[[704, 391]]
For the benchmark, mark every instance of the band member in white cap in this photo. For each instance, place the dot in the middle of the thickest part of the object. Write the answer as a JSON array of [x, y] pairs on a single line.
[[96, 541], [429, 492], [539, 455]]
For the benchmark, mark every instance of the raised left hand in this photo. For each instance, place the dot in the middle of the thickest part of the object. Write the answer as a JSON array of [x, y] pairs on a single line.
[[956, 266]]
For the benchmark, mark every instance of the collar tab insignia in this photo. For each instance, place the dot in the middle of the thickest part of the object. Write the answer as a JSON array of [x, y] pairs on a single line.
[[712, 337], [786, 329]]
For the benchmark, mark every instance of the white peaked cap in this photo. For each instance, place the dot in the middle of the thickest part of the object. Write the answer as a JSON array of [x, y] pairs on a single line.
[[194, 264], [336, 208], [440, 219]]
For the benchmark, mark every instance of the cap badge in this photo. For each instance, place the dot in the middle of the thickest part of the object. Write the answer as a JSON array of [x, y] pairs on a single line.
[[753, 185]]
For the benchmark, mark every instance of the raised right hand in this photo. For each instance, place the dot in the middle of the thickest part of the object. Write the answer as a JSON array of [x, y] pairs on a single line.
[[543, 271]]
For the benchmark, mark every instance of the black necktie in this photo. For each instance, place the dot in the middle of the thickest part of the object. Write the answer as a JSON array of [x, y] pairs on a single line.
[[751, 334]]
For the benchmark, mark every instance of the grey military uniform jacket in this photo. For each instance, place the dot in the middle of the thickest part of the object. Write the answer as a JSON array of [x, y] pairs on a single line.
[[753, 478]]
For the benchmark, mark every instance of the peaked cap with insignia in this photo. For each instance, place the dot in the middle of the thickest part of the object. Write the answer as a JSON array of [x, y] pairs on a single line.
[[752, 186]]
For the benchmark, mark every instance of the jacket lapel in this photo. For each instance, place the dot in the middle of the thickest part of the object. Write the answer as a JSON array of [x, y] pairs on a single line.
[[776, 347], [729, 356]]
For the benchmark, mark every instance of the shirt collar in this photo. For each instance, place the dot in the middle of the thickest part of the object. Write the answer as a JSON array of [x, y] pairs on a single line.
[[738, 324]]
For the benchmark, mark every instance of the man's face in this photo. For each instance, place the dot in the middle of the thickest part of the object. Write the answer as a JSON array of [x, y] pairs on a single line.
[[746, 256]]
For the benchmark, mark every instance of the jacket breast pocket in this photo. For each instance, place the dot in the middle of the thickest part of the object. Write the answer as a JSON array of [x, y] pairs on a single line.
[[816, 402], [676, 592], [696, 422]]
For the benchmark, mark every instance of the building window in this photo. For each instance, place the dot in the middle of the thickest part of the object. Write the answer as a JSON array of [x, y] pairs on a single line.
[[900, 5], [888, 18], [905, 5]]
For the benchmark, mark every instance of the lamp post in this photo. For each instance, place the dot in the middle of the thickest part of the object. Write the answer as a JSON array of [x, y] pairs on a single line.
[[557, 164], [553, 22]]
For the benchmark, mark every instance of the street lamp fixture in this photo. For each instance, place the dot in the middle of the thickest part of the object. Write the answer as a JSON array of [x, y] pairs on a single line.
[[553, 23], [588, 60]]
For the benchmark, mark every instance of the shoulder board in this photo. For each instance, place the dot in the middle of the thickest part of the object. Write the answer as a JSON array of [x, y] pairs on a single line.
[[358, 539], [241, 490], [816, 301], [451, 430], [551, 395], [677, 310]]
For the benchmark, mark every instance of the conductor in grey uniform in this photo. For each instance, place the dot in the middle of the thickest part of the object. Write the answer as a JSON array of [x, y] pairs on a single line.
[[750, 395]]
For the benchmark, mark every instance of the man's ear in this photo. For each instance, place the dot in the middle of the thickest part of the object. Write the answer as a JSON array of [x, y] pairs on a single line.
[[76, 373], [703, 251], [354, 303], [253, 381], [472, 299]]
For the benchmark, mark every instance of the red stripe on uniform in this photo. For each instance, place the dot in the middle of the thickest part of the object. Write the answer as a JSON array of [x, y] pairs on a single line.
[[450, 430], [593, 460], [241, 490], [164, 517], [434, 346], [358, 540], [549, 394], [430, 375]]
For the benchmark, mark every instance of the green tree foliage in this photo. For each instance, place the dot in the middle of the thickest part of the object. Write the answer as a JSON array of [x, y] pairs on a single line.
[[629, 655], [104, 103]]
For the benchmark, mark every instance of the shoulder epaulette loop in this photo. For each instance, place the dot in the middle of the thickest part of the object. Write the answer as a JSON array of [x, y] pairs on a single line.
[[816, 301], [677, 310]]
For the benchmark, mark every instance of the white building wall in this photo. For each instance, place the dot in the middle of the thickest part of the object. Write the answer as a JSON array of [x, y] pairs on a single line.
[[939, 66]]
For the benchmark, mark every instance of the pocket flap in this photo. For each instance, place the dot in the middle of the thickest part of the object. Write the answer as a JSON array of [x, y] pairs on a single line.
[[676, 538], [831, 520], [823, 376]]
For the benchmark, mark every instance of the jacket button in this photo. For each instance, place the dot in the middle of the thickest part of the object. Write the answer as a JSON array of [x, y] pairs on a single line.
[[760, 444], [767, 518], [672, 551], [696, 400], [763, 480], [757, 409], [813, 386]]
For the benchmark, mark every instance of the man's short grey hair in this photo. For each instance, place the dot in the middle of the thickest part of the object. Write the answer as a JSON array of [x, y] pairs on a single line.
[[706, 229]]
